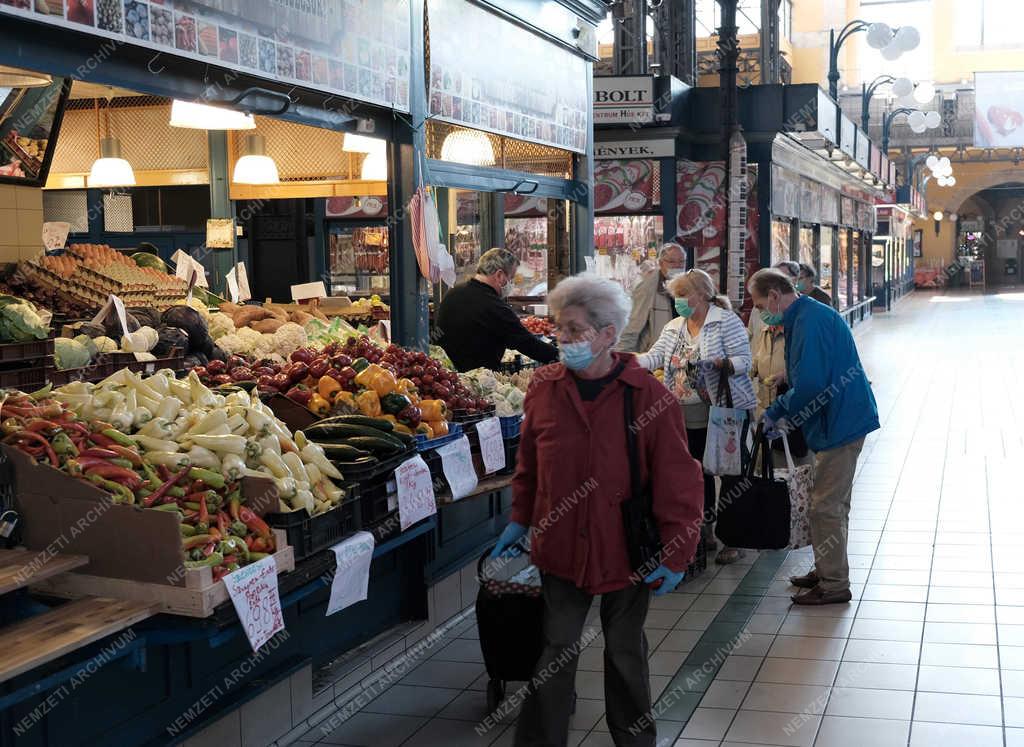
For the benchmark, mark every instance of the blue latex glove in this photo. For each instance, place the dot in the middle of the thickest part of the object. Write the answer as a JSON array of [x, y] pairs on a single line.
[[669, 580], [510, 535], [772, 429]]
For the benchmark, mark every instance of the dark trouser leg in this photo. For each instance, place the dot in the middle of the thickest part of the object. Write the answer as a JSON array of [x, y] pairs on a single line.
[[544, 721], [627, 690], [697, 439]]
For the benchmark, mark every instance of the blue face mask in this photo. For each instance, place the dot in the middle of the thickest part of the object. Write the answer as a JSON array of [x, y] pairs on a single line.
[[771, 319], [683, 308], [801, 285], [576, 356]]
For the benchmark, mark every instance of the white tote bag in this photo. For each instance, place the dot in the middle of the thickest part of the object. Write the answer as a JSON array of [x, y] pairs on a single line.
[[801, 482], [723, 453]]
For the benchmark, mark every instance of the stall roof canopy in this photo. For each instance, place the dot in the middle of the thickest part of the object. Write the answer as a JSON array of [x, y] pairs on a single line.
[[802, 111]]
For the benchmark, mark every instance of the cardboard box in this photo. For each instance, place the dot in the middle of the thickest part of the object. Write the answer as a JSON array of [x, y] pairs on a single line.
[[134, 553]]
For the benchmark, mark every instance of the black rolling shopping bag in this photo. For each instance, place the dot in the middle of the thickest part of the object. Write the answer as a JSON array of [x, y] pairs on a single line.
[[753, 510]]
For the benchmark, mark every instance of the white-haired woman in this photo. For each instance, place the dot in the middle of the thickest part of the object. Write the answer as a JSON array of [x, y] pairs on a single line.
[[705, 342], [573, 472]]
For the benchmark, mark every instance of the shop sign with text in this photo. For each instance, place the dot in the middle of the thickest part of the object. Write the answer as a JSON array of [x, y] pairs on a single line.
[[624, 99]]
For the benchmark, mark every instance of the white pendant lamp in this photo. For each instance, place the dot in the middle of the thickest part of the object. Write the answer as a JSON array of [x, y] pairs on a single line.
[[375, 165], [471, 147], [111, 169], [255, 166], [195, 116], [354, 143]]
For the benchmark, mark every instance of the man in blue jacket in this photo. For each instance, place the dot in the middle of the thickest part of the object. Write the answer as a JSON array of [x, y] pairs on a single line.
[[830, 399]]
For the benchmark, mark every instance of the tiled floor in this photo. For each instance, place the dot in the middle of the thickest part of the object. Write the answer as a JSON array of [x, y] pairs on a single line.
[[931, 650]]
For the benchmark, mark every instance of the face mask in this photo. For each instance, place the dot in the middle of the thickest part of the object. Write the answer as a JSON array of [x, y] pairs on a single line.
[[771, 319], [506, 289], [683, 308], [671, 272], [576, 355], [801, 285]]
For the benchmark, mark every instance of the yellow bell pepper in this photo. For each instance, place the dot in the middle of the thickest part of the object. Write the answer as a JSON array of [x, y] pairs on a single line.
[[439, 427], [433, 410], [319, 405], [378, 379], [328, 387], [369, 403], [345, 403]]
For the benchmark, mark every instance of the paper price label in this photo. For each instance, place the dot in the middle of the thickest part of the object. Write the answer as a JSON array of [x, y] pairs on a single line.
[[352, 571], [122, 315], [253, 592], [457, 464], [492, 448], [232, 286], [415, 492]]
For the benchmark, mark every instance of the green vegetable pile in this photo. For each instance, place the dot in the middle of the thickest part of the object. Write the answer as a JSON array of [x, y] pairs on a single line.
[[20, 322]]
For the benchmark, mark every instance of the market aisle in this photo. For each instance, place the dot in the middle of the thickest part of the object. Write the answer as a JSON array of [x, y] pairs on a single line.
[[930, 653]]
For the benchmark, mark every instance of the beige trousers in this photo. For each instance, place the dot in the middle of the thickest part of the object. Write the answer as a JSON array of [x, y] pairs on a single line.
[[830, 513]]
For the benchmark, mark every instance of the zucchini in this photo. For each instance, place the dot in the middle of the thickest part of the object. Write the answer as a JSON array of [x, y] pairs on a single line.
[[343, 452], [343, 432], [375, 444], [378, 423], [366, 461]]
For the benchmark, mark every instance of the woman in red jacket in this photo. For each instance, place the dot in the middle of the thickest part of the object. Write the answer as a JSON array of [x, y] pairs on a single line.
[[572, 474]]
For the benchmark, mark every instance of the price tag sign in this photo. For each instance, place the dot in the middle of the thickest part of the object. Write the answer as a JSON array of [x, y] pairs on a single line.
[[253, 591], [122, 315], [415, 492], [232, 286], [492, 448], [352, 571], [457, 464]]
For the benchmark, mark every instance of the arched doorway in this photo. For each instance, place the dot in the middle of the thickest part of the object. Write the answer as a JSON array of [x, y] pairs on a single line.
[[991, 228]]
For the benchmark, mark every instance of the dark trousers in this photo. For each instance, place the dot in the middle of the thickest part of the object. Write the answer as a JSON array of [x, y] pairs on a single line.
[[544, 721], [697, 439]]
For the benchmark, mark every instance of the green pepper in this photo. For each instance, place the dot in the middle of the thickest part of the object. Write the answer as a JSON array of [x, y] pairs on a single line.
[[151, 474], [254, 556], [197, 540], [173, 507], [187, 530], [119, 492], [394, 403], [43, 393], [359, 364], [233, 567], [236, 545], [63, 445], [213, 479], [239, 529], [116, 436], [176, 492], [121, 462], [191, 505], [211, 561]]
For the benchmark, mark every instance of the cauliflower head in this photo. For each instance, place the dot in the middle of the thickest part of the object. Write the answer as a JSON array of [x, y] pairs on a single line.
[[289, 338], [220, 325]]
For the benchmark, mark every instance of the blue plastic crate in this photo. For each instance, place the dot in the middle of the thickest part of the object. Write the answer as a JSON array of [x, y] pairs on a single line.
[[510, 426], [425, 444]]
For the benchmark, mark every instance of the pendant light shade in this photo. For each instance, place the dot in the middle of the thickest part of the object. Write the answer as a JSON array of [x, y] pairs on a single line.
[[111, 169], [195, 116], [471, 147], [354, 143], [15, 77], [255, 166], [375, 165]]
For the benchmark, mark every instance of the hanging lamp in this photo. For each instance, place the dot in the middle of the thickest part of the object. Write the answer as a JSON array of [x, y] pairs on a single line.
[[375, 165], [195, 116], [471, 147], [255, 166], [110, 169]]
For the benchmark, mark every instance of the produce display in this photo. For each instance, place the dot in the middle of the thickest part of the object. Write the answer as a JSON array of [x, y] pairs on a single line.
[[218, 530], [539, 326], [269, 332], [506, 392], [182, 424], [20, 321]]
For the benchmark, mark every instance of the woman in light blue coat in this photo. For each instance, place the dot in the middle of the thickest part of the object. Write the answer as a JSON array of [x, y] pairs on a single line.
[[696, 349]]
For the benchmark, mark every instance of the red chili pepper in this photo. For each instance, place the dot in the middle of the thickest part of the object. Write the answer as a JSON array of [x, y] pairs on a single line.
[[42, 425], [99, 453], [100, 440], [219, 572], [190, 516], [254, 522], [125, 453], [204, 513], [208, 549], [163, 472], [259, 545], [92, 461], [223, 522], [229, 559], [118, 474], [35, 437], [158, 494], [215, 533], [249, 541]]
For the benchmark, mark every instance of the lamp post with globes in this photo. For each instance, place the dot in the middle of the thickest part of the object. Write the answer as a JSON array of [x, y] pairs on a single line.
[[919, 122], [892, 42]]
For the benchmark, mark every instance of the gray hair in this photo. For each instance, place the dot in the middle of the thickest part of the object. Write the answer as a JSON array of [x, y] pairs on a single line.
[[789, 267], [495, 260], [806, 271], [768, 279], [604, 301], [669, 246]]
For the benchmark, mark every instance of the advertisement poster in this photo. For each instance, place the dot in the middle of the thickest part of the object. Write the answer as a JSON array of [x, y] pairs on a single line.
[[29, 120], [625, 186], [355, 48], [785, 193], [701, 214], [357, 207], [489, 74], [999, 110]]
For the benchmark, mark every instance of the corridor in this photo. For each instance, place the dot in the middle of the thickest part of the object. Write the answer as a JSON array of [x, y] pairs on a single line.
[[929, 653]]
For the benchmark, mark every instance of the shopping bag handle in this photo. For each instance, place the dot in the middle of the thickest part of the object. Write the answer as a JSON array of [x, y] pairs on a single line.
[[762, 444], [487, 555], [789, 454]]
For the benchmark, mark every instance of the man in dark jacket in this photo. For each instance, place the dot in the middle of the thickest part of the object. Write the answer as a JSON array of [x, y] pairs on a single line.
[[830, 398], [476, 325]]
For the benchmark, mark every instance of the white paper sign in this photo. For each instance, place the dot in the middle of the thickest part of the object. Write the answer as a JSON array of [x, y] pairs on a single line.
[[457, 464], [55, 233], [244, 294], [352, 573], [185, 265], [122, 315], [253, 591], [492, 448], [306, 291], [415, 492], [232, 286]]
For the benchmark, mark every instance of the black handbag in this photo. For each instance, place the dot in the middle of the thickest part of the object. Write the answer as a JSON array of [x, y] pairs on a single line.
[[753, 511], [643, 540], [797, 443]]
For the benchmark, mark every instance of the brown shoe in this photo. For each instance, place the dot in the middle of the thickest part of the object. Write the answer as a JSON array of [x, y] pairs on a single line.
[[805, 582], [818, 596]]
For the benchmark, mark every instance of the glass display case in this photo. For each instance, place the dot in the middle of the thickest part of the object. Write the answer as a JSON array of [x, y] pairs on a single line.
[[842, 271], [626, 246], [781, 230], [808, 247]]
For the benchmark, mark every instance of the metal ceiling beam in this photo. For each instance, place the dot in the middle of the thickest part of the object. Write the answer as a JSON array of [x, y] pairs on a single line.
[[630, 21], [675, 24]]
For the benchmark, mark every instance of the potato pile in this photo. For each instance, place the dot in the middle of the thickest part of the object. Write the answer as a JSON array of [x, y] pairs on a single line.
[[269, 317]]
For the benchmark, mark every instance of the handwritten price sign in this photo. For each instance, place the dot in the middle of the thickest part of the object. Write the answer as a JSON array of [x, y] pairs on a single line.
[[352, 575], [253, 591], [457, 463], [415, 492], [492, 448]]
